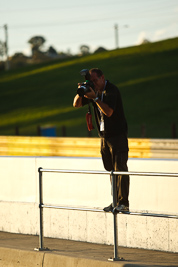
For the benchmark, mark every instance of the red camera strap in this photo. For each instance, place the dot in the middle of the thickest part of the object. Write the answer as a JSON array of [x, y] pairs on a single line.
[[89, 119]]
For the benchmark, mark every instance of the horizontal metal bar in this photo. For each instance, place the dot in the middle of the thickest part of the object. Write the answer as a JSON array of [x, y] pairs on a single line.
[[74, 171], [147, 173], [152, 214], [71, 208], [100, 210], [114, 172]]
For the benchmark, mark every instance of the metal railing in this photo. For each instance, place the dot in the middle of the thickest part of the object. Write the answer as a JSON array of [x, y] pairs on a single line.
[[113, 182]]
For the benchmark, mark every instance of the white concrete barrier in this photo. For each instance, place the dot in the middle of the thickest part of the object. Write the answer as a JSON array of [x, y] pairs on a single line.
[[19, 198]]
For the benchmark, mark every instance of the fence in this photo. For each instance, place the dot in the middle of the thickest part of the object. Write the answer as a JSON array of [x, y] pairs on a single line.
[[113, 179]]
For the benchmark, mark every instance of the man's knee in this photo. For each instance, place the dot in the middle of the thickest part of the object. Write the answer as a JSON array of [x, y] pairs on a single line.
[[121, 161]]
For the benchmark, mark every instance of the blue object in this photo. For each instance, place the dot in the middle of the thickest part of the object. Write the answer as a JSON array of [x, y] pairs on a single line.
[[48, 131]]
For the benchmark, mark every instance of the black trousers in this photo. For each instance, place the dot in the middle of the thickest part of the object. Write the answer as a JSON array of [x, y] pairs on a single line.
[[114, 159]]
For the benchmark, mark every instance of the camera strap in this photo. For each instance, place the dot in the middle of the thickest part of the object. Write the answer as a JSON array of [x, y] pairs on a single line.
[[89, 119], [101, 113]]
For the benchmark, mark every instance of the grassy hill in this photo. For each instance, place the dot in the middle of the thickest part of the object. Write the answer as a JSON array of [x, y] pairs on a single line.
[[146, 75]]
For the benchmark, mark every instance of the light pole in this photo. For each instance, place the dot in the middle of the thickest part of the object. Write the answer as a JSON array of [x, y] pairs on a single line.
[[116, 28], [6, 46]]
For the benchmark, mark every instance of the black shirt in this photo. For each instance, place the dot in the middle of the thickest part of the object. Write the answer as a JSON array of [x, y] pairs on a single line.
[[116, 125]]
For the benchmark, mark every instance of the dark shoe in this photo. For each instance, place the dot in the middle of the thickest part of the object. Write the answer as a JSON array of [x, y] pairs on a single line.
[[109, 208], [122, 208]]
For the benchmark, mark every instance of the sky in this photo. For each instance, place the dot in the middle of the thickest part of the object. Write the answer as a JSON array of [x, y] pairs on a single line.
[[66, 25]]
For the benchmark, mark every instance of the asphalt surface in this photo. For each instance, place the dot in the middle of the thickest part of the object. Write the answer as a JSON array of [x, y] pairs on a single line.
[[18, 250]]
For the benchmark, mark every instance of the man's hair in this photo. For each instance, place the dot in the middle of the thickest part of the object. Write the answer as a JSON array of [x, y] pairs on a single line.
[[97, 71]]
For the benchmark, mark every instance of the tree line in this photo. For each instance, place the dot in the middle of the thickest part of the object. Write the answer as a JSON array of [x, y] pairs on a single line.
[[38, 54]]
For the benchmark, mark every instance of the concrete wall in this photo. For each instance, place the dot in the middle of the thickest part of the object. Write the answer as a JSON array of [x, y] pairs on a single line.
[[19, 196]]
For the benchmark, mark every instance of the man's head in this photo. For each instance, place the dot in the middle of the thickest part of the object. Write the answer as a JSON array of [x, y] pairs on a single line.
[[97, 77]]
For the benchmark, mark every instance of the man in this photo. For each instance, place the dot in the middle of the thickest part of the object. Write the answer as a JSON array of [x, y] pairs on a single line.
[[112, 128]]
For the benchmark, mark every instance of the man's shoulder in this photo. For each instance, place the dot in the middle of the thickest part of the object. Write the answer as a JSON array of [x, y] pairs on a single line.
[[111, 87]]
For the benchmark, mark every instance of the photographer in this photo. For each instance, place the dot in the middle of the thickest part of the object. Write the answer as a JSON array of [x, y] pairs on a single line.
[[112, 128]]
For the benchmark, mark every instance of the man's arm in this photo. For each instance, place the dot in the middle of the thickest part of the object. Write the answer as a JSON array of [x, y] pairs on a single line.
[[104, 108], [91, 95]]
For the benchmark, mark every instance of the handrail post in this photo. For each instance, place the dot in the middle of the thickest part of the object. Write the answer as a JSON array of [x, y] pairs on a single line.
[[114, 204], [41, 211]]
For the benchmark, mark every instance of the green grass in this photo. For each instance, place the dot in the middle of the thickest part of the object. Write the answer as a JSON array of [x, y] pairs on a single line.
[[146, 75]]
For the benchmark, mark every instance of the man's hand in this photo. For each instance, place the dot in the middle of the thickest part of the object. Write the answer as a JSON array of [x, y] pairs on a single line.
[[91, 94], [77, 103]]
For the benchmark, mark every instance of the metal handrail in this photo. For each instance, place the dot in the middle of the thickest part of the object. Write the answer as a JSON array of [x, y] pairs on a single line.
[[113, 179], [168, 174], [124, 212]]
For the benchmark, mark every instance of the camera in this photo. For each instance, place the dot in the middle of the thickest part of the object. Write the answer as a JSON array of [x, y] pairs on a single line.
[[85, 86]]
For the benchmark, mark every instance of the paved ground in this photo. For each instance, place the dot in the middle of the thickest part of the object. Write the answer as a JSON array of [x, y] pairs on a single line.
[[18, 250]]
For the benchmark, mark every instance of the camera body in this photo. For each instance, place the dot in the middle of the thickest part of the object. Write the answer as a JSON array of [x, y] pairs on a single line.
[[85, 86]]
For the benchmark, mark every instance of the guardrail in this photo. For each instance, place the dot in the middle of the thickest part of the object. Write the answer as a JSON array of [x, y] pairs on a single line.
[[83, 147], [113, 179]]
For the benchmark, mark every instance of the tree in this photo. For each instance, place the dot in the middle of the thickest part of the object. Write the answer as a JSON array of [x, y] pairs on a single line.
[[51, 52], [18, 60], [100, 49], [145, 41], [36, 43], [85, 49]]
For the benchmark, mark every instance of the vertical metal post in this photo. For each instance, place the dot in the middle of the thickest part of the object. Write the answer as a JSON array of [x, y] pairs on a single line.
[[41, 209], [41, 212], [115, 216], [114, 194]]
